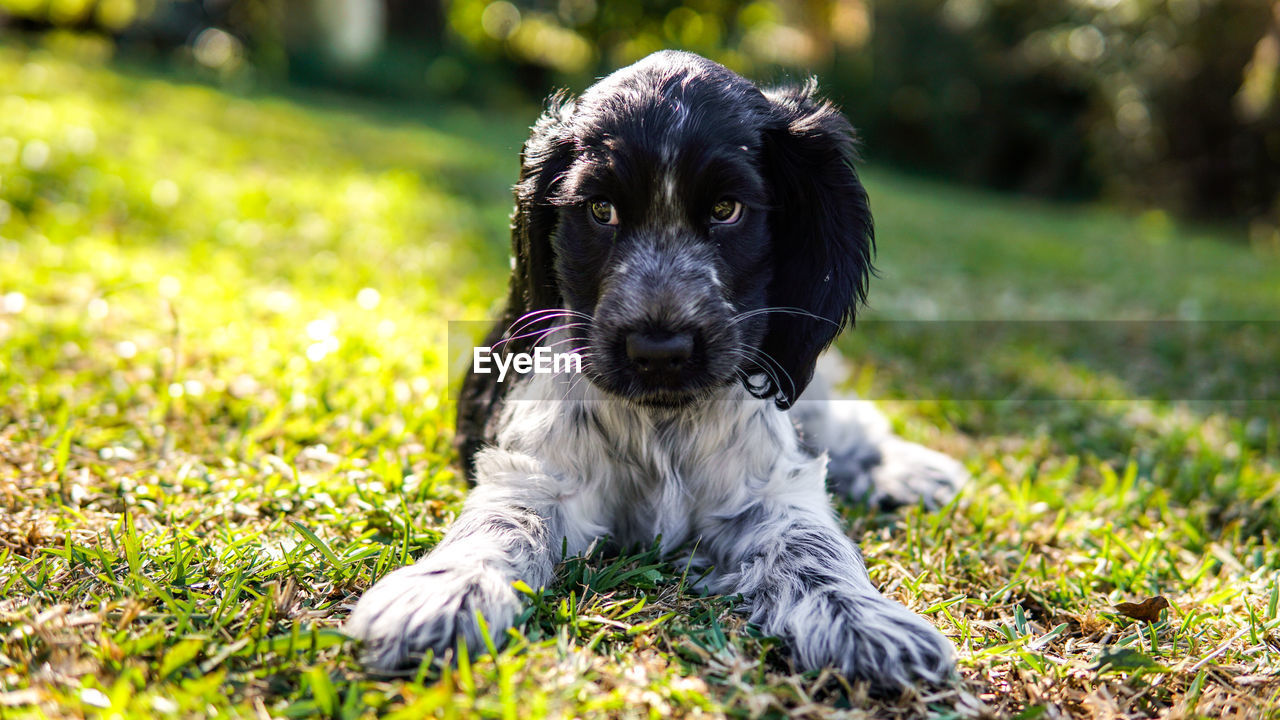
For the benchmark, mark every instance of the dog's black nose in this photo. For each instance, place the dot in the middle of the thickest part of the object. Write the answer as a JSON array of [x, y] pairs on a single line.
[[659, 353]]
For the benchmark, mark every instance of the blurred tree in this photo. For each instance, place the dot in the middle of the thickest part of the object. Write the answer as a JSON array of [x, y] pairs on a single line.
[[1167, 120]]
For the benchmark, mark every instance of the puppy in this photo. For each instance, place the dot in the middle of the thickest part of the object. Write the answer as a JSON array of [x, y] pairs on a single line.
[[698, 242]]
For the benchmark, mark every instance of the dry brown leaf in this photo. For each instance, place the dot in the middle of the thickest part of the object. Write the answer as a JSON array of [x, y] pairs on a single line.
[[1148, 610]]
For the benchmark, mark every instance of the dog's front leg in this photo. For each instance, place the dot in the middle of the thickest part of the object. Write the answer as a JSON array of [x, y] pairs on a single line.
[[803, 581], [507, 531]]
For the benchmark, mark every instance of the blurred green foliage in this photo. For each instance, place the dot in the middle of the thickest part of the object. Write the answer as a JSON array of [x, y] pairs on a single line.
[[1168, 103]]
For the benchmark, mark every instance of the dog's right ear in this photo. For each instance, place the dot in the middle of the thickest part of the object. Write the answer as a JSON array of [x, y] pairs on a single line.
[[823, 235], [543, 162]]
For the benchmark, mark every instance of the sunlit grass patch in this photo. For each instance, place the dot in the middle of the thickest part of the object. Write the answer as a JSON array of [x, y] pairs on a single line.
[[223, 414]]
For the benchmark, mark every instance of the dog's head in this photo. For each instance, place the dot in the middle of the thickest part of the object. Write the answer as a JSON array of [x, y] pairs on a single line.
[[713, 232]]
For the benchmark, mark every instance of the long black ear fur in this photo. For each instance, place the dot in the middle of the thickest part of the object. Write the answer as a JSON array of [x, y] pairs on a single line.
[[543, 160], [823, 236]]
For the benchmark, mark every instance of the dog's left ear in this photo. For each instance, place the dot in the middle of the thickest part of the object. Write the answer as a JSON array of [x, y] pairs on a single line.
[[823, 237], [543, 160]]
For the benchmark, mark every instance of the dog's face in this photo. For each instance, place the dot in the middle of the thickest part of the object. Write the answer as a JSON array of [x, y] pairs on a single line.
[[713, 233]]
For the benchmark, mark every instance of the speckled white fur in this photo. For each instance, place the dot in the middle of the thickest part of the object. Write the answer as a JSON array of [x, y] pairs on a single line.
[[730, 473]]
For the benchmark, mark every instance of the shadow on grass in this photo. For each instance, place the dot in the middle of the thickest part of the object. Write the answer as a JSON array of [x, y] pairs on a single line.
[[1194, 405]]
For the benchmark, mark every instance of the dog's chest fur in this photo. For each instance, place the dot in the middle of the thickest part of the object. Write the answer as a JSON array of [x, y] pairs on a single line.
[[638, 473]]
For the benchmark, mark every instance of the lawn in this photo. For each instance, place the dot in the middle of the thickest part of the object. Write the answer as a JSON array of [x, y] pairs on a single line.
[[225, 411]]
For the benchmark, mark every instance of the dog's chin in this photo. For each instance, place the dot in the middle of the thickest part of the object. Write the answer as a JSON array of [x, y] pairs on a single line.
[[666, 399]]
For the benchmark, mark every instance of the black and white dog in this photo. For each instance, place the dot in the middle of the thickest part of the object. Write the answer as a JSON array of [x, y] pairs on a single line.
[[700, 242]]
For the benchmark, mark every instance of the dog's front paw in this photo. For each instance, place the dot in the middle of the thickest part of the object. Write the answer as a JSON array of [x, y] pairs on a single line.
[[871, 638], [430, 606], [898, 473]]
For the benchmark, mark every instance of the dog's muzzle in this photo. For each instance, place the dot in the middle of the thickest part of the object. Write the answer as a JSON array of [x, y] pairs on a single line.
[[665, 324]]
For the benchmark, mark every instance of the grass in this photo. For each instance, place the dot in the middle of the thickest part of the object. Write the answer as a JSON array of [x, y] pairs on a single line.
[[224, 412]]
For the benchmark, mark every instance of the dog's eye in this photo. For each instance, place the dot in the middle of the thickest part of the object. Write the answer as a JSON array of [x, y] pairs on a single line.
[[726, 211], [603, 212]]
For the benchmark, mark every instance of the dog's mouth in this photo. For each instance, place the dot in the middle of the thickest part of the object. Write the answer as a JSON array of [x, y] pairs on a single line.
[[664, 397], [660, 367]]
